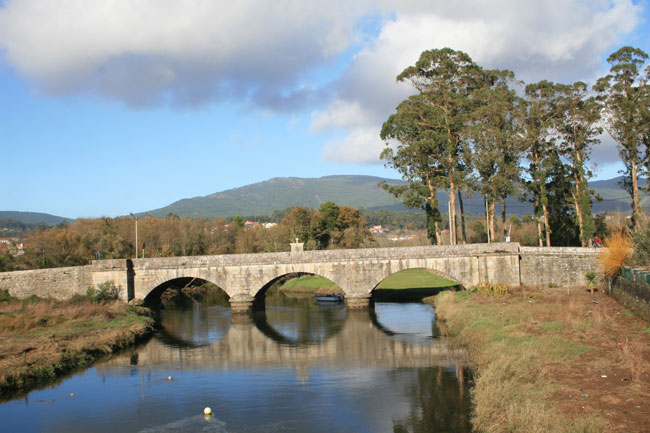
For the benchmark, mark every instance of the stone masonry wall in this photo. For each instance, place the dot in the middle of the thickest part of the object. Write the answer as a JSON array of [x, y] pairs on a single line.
[[356, 271], [562, 266], [57, 283]]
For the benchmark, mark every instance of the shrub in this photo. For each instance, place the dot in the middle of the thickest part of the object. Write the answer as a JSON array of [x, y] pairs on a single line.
[[106, 291], [5, 296], [32, 299], [641, 240], [492, 289], [591, 280], [617, 250]]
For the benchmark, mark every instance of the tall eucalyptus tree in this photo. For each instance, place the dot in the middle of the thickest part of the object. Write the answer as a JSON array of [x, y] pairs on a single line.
[[578, 130], [539, 113], [444, 79], [625, 98], [496, 148], [415, 158]]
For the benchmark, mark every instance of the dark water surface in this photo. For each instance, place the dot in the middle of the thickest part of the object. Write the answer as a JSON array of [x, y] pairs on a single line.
[[294, 367]]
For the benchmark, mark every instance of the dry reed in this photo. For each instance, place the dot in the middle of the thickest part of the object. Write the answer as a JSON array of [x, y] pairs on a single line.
[[21, 317], [618, 248]]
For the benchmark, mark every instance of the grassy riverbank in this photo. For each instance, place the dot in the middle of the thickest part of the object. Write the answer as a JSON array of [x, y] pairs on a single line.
[[410, 284], [42, 340], [548, 361]]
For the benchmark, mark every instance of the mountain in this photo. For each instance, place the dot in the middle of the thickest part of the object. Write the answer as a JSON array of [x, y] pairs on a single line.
[[359, 191], [279, 193], [615, 198], [282, 192], [33, 217]]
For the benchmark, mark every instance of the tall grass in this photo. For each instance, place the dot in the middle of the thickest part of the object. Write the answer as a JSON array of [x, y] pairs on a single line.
[[19, 316], [618, 248], [513, 388]]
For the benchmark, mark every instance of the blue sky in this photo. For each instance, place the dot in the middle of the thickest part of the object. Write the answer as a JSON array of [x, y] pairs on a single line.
[[111, 107]]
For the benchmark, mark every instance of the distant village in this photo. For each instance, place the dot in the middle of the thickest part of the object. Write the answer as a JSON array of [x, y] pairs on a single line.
[[14, 245], [376, 230]]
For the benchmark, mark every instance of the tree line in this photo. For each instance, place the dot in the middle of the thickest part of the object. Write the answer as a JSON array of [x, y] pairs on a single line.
[[76, 243], [469, 129]]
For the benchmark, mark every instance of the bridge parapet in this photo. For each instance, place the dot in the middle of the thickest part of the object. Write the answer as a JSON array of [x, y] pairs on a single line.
[[56, 283], [316, 256], [561, 266], [110, 264]]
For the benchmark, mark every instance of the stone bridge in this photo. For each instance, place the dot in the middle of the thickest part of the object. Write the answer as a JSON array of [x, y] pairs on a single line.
[[357, 272]]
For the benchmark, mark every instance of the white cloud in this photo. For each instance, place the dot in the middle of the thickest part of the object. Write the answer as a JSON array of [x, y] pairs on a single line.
[[147, 52], [341, 114], [142, 51], [356, 147]]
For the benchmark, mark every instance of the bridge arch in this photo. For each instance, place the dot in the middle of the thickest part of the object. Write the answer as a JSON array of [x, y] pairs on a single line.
[[299, 268], [153, 295], [389, 271], [262, 291]]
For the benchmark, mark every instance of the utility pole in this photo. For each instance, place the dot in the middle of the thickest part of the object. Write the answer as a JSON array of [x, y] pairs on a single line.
[[487, 220], [136, 234]]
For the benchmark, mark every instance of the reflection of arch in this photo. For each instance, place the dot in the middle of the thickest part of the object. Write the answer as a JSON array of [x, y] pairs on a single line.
[[260, 320], [410, 335], [373, 319], [171, 339], [261, 323], [436, 272], [154, 294], [203, 327]]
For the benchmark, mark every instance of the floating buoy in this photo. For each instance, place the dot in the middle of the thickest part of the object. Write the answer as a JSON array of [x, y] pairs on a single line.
[[72, 394], [169, 378], [207, 411]]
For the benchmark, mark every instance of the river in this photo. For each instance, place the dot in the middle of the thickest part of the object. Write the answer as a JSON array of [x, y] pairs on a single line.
[[295, 366]]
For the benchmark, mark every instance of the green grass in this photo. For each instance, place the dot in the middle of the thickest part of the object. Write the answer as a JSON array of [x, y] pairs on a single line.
[[308, 283], [406, 279], [415, 279], [407, 285], [554, 326], [76, 327]]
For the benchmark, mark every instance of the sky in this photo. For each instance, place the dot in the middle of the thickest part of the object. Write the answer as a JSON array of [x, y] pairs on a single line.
[[115, 106]]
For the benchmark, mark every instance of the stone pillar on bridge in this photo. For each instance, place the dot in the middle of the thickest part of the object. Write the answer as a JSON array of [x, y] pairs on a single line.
[[357, 302], [241, 304], [297, 247]]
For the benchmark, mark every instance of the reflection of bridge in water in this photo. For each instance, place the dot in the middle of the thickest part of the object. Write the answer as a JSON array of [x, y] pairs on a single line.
[[247, 344]]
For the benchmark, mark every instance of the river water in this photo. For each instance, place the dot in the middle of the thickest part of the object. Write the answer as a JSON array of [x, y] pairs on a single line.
[[296, 366]]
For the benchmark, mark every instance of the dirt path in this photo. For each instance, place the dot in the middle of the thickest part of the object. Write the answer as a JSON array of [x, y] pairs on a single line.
[[613, 378]]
